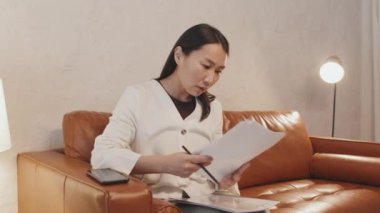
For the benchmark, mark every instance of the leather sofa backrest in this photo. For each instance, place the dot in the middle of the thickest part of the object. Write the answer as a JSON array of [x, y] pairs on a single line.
[[288, 159], [80, 129]]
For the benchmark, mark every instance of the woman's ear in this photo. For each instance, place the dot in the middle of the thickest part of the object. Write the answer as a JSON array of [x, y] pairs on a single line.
[[178, 54]]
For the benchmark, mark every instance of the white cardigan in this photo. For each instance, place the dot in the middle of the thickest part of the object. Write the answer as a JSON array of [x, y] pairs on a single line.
[[146, 122]]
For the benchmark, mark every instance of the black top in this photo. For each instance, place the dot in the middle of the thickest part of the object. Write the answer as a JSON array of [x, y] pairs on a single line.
[[184, 108]]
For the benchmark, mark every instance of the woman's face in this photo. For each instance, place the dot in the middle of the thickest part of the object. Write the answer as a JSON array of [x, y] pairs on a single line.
[[201, 69]]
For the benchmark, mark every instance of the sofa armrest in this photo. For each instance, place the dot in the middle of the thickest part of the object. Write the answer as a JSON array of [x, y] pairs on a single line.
[[345, 146], [349, 168], [50, 181]]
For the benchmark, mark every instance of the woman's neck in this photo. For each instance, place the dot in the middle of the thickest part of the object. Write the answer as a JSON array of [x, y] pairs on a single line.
[[174, 88]]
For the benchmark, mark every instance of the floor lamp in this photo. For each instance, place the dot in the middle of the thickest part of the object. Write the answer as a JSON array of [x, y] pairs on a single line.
[[332, 72], [5, 137]]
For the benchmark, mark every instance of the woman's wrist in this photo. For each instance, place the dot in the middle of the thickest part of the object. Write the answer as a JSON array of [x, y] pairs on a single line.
[[150, 164]]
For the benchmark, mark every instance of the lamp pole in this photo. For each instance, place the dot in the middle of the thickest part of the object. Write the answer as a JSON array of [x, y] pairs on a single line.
[[332, 72], [333, 117]]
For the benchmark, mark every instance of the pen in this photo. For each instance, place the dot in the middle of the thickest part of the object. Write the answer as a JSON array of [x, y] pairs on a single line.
[[202, 167]]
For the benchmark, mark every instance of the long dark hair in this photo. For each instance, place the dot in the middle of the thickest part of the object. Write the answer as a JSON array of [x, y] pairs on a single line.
[[193, 39]]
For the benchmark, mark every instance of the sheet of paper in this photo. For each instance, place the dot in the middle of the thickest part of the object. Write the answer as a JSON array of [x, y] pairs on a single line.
[[239, 145]]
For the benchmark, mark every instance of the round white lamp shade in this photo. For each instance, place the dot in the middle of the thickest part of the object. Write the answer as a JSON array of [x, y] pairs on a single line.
[[332, 71]]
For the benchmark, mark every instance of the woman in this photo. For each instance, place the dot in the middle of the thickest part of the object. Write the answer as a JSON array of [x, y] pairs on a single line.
[[153, 120]]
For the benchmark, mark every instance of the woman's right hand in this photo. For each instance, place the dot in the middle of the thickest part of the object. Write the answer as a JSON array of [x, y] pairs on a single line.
[[179, 164], [182, 164]]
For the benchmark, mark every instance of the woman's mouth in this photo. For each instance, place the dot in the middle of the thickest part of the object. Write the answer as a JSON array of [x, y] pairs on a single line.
[[201, 88]]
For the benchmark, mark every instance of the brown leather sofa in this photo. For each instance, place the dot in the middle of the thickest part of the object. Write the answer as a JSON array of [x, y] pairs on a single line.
[[306, 174]]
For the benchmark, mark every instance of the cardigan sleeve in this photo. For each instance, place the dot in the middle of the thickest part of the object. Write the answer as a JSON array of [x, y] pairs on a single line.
[[112, 149]]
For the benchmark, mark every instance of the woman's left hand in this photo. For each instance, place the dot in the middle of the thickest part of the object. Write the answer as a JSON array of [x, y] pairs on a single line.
[[233, 178]]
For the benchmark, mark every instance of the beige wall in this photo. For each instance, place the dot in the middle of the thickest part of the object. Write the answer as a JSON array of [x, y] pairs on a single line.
[[59, 56]]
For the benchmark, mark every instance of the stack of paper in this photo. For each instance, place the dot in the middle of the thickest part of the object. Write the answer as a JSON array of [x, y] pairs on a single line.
[[239, 145], [229, 203]]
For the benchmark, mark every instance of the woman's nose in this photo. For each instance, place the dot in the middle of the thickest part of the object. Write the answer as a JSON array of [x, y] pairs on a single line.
[[209, 79]]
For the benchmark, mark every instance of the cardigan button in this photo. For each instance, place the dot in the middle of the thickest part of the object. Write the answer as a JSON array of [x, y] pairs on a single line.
[[183, 132]]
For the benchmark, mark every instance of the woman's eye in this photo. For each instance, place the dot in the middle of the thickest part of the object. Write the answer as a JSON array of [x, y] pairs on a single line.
[[218, 72], [206, 66]]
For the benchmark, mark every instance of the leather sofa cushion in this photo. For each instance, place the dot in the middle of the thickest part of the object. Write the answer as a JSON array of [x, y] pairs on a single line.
[[289, 159], [80, 129], [314, 195]]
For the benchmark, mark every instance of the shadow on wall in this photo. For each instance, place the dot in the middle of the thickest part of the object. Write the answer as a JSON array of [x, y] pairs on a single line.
[[55, 139]]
